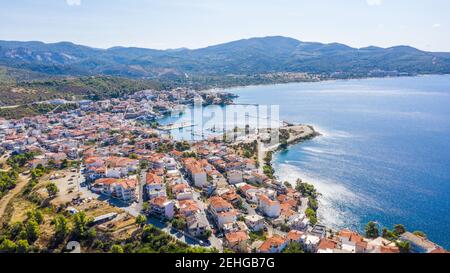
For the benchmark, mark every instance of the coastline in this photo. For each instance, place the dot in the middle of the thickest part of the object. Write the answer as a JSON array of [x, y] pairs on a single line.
[[359, 226], [227, 88], [308, 133], [297, 134]]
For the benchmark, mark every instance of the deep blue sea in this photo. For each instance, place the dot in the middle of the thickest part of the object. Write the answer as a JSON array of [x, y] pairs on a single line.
[[384, 153]]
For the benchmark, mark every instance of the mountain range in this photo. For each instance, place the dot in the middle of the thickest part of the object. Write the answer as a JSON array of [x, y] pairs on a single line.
[[243, 57]]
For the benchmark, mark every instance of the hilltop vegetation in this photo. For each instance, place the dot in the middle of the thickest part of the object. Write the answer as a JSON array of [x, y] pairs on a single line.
[[34, 109], [34, 71], [253, 56], [35, 223], [25, 92]]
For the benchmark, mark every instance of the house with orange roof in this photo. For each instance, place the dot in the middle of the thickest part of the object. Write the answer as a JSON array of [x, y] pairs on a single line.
[[275, 244], [182, 191], [117, 167], [250, 164], [295, 236], [439, 250], [352, 241], [162, 207], [93, 161], [124, 189], [156, 161], [270, 208], [232, 197], [154, 185], [250, 193], [36, 162], [287, 214], [285, 199], [187, 207], [102, 185], [222, 211], [195, 171], [327, 246], [176, 154], [390, 250], [237, 241]]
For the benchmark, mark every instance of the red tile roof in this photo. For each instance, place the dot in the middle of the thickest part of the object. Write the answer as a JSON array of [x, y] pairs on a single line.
[[158, 201], [236, 237], [273, 242], [152, 178], [294, 235], [327, 244], [218, 202]]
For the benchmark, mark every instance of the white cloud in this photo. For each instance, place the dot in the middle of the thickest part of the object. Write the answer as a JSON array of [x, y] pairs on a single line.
[[436, 26], [374, 2], [73, 2]]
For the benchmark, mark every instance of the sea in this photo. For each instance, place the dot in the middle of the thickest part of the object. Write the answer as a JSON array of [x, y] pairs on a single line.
[[383, 154]]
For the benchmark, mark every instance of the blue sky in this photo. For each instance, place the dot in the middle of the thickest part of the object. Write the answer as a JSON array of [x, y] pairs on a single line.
[[197, 23]]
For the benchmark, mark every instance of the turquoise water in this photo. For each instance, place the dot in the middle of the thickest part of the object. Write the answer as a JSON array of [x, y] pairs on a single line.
[[385, 151]]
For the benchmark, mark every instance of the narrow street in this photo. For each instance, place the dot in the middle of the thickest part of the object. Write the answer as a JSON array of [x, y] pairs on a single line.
[[140, 196], [215, 242]]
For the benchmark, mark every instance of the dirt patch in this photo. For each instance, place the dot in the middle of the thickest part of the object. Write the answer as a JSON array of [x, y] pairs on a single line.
[[95, 208], [4, 202], [20, 207]]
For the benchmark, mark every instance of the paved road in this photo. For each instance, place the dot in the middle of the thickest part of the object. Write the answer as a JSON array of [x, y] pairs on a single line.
[[140, 196], [215, 242]]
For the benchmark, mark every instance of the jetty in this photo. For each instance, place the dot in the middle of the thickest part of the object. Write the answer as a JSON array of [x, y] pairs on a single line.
[[175, 126]]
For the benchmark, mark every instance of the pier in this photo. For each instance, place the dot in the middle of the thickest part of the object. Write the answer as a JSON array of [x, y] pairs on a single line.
[[175, 126]]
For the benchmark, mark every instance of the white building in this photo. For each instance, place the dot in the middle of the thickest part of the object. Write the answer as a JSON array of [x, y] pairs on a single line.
[[162, 207], [311, 242], [254, 222], [235, 177], [222, 211], [270, 208], [154, 186]]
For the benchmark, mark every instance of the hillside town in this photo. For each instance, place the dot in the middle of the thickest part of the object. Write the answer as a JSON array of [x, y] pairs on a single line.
[[214, 193]]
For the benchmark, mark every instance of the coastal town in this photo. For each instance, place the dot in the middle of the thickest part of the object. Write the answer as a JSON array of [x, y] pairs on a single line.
[[112, 161]]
